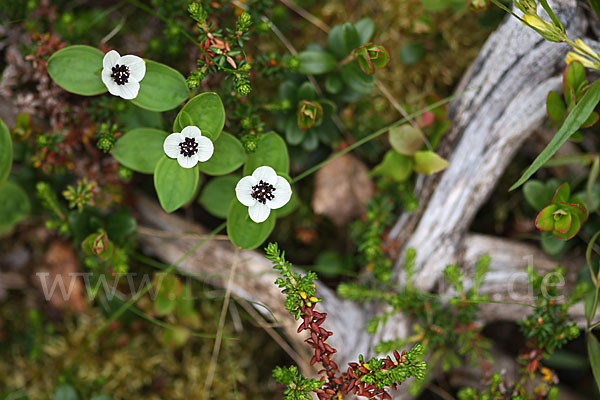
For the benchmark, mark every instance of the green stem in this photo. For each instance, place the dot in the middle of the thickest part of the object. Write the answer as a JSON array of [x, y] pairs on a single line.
[[375, 134]]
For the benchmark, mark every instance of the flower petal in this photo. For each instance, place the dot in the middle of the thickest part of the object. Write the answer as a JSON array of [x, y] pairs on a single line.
[[281, 195], [130, 90], [187, 162], [259, 212], [110, 84], [243, 190], [110, 60], [192, 132], [265, 174], [171, 144], [136, 65], [206, 148]]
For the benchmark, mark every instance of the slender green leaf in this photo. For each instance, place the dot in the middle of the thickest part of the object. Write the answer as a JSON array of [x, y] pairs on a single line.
[[574, 120], [163, 88], [594, 356], [6, 152], [595, 4], [77, 69]]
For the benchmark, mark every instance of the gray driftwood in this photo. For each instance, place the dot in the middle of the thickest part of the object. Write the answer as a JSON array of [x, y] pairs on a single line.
[[507, 85]]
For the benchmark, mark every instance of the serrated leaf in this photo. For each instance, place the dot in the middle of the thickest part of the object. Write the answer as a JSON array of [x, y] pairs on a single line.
[[242, 231], [6, 153], [406, 139], [77, 69], [162, 88], [175, 185], [574, 120], [427, 162], [129, 152]]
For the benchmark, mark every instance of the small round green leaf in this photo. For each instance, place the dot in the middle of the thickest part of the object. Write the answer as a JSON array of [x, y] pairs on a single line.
[[395, 165], [175, 186], [335, 42], [427, 162], [65, 392], [6, 152], [350, 37], [272, 151], [163, 88], [77, 69], [333, 83], [316, 62], [537, 194], [242, 231], [406, 139], [218, 194], [14, 205], [129, 152], [552, 245], [204, 111], [411, 53], [229, 155]]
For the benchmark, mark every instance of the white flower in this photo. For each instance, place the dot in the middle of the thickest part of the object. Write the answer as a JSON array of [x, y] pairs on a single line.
[[122, 75], [189, 146], [263, 191]]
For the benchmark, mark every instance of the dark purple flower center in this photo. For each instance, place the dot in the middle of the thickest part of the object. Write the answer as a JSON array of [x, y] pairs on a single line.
[[262, 192], [188, 147], [120, 74]]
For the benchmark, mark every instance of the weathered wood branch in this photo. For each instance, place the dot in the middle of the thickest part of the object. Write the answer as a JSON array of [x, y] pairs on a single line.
[[508, 85]]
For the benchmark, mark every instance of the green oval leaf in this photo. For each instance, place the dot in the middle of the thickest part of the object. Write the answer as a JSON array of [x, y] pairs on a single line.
[[350, 37], [395, 165], [406, 139], [14, 205], [316, 62], [427, 162], [242, 231], [356, 79], [204, 111], [229, 155], [365, 28], [163, 88], [127, 149], [6, 152], [574, 120], [537, 194], [272, 151], [65, 392], [175, 186], [218, 194], [555, 107], [77, 69]]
